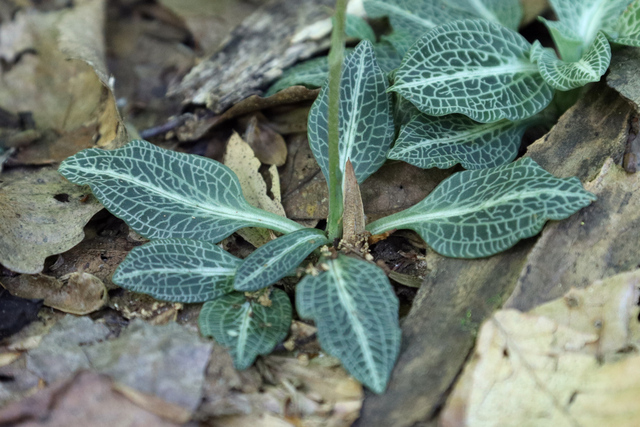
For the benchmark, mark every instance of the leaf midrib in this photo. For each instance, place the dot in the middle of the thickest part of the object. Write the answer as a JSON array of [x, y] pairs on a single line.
[[244, 328], [240, 214], [463, 137], [213, 271], [354, 118], [419, 217], [510, 68], [350, 308], [274, 259]]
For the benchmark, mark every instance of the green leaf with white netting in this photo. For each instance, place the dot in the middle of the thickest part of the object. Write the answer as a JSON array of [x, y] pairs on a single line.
[[274, 260], [387, 56], [178, 270], [473, 67], [366, 125], [627, 27], [506, 12], [441, 142], [164, 194], [579, 22], [311, 74], [356, 313], [246, 327], [414, 16], [479, 213], [563, 75], [401, 41], [403, 111], [358, 28]]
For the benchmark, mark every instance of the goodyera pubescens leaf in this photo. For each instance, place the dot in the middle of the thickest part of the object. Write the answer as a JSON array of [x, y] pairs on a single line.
[[366, 125], [579, 22], [506, 12], [627, 28], [356, 313], [473, 67], [475, 214], [441, 142], [570, 75], [246, 327], [414, 16], [164, 194], [178, 270], [274, 260]]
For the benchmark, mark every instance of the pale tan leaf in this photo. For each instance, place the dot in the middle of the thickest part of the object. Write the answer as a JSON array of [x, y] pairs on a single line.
[[78, 293], [545, 367], [239, 157], [41, 214]]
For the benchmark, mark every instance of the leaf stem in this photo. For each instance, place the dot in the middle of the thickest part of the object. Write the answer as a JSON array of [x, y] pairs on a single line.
[[334, 221]]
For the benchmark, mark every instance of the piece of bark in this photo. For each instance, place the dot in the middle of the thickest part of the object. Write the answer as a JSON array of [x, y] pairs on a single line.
[[458, 295], [257, 52], [599, 241], [590, 132]]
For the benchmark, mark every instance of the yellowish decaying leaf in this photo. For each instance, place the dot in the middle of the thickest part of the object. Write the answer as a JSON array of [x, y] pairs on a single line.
[[64, 84], [239, 157], [41, 214], [571, 362]]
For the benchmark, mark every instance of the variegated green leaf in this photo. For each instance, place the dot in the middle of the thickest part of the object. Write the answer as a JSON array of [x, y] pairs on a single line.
[[387, 56], [273, 261], [246, 327], [366, 126], [441, 142], [473, 67], [312, 74], [401, 41], [164, 194], [570, 75], [479, 213], [414, 16], [505, 12], [178, 270], [627, 28], [356, 313], [579, 22], [358, 28]]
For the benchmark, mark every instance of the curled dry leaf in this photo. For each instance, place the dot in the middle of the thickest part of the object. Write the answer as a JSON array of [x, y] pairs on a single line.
[[41, 214], [240, 158], [269, 146], [71, 101], [563, 364], [76, 293]]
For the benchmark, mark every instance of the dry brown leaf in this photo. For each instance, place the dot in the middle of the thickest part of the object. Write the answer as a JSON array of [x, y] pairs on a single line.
[[41, 214], [545, 367], [269, 147], [70, 100], [242, 161], [194, 127], [353, 220], [78, 293]]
